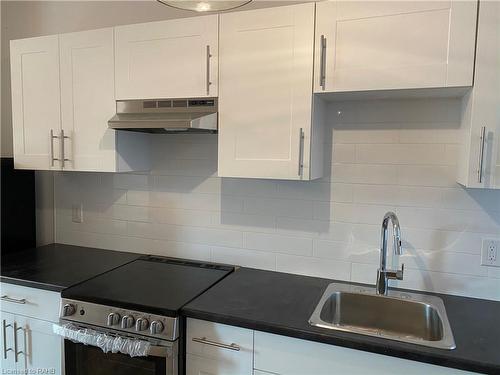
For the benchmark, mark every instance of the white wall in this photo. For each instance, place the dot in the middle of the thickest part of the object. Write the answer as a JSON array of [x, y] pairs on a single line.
[[387, 155]]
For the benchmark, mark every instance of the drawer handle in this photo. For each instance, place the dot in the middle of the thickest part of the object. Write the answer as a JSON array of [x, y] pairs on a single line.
[[204, 340], [21, 301]]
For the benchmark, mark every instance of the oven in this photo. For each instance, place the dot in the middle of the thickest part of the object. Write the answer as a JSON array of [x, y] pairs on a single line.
[[118, 342]]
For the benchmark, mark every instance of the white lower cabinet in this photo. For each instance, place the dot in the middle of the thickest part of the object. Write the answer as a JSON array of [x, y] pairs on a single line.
[[268, 354], [39, 350], [218, 349], [288, 356]]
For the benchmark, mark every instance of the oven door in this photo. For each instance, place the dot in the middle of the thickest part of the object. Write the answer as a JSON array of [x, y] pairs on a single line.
[[83, 359]]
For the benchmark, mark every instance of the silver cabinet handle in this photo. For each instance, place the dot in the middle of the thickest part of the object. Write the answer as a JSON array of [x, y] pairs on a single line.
[[204, 340], [16, 352], [21, 301], [301, 152], [5, 349], [481, 155], [322, 63], [63, 152], [208, 70], [52, 137]]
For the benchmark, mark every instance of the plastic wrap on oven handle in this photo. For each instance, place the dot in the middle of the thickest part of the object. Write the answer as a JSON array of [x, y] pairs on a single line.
[[108, 343]]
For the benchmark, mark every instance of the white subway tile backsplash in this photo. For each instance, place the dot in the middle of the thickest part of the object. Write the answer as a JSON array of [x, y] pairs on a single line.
[[181, 250], [279, 207], [132, 181], [250, 258], [180, 216], [416, 154], [381, 155], [278, 243], [417, 175], [364, 174], [328, 268]]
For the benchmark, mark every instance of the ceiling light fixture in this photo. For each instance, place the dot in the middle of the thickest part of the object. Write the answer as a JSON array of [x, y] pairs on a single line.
[[205, 6]]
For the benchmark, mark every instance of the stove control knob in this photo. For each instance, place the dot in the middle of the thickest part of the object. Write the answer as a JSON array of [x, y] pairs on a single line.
[[68, 309], [127, 322], [113, 319], [141, 324], [156, 327]]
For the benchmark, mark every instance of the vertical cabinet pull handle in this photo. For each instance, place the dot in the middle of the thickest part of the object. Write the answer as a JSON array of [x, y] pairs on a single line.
[[17, 352], [301, 152], [322, 63], [63, 151], [481, 155], [5, 349], [208, 70], [52, 137]]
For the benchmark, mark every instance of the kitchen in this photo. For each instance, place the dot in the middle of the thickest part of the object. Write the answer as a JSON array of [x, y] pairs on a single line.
[[210, 188]]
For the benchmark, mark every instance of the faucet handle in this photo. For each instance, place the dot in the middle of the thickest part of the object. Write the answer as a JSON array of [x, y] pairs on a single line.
[[400, 273], [395, 275]]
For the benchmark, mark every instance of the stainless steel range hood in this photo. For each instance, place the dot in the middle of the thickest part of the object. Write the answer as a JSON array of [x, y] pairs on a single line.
[[166, 115]]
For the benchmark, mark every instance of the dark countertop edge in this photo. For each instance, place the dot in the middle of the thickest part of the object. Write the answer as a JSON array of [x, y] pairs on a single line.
[[343, 342], [32, 284]]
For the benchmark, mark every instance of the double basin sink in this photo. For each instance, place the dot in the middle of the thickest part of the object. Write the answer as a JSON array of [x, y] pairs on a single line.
[[408, 317]]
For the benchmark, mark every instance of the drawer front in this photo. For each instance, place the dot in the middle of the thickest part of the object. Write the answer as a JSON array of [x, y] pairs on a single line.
[[196, 365], [32, 302], [230, 345], [289, 356]]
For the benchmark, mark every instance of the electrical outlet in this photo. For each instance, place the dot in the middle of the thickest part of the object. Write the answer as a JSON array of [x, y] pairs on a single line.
[[489, 252], [77, 213]]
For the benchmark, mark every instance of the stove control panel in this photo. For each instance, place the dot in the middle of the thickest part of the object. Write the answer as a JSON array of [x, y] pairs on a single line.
[[118, 319]]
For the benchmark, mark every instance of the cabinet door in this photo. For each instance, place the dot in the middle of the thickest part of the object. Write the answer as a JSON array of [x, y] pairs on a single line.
[[288, 356], [479, 163], [266, 63], [87, 100], [42, 349], [35, 102], [167, 59], [218, 349], [372, 45], [7, 360], [196, 365]]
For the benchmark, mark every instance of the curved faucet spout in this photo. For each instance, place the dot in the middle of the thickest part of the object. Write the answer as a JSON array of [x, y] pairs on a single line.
[[383, 275]]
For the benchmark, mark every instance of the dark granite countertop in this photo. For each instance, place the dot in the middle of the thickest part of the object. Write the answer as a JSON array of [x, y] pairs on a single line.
[[58, 266], [282, 303]]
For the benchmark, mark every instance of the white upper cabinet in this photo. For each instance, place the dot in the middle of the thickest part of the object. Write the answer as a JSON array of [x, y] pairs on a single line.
[[479, 161], [167, 59], [265, 93], [35, 102], [87, 98], [373, 45], [63, 96]]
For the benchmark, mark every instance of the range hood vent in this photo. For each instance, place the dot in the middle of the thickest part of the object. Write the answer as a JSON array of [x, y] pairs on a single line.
[[166, 115]]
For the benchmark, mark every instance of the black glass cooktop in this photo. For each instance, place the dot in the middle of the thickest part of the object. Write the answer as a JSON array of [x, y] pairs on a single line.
[[151, 284]]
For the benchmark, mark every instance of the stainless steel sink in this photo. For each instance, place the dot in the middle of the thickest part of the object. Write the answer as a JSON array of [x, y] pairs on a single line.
[[408, 317]]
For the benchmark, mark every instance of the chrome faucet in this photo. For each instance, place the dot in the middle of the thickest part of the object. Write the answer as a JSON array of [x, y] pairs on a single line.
[[383, 274]]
